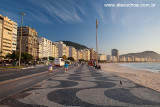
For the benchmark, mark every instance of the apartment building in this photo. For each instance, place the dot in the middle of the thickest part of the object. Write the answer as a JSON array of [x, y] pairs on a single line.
[[86, 54], [76, 56], [1, 36], [62, 49], [92, 54], [109, 58], [114, 59], [72, 52], [29, 41], [54, 50], [45, 47], [95, 55], [8, 36], [102, 57], [115, 52], [14, 38], [39, 49], [67, 51], [128, 59], [79, 54], [122, 59]]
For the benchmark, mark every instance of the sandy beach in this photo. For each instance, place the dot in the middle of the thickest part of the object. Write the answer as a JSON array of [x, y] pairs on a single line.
[[145, 78]]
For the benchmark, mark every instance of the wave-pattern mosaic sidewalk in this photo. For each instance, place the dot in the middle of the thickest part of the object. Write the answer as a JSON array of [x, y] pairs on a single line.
[[84, 86]]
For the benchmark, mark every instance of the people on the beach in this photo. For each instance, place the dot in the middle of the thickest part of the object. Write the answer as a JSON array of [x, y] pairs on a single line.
[[66, 66]]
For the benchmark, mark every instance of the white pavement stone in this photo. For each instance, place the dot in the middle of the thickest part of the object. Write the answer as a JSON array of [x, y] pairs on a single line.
[[88, 78]]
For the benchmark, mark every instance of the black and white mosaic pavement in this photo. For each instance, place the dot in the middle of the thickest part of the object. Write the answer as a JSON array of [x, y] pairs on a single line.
[[86, 87]]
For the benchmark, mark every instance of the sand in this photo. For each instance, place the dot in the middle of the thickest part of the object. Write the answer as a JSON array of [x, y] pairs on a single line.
[[142, 77]]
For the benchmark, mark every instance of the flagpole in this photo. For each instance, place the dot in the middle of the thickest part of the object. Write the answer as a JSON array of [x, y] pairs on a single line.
[[96, 42]]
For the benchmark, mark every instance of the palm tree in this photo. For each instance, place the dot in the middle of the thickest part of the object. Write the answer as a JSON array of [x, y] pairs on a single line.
[[26, 57], [64, 57], [1, 55], [14, 56]]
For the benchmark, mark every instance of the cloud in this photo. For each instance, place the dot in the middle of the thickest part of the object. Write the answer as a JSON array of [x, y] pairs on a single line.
[[41, 18], [62, 11], [98, 7]]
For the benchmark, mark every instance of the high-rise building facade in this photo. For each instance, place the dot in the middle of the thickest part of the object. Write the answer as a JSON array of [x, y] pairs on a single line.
[[109, 58], [72, 52], [92, 54], [67, 51], [79, 54], [76, 56], [14, 38], [115, 53], [29, 41], [63, 50], [8, 36], [39, 49], [45, 47], [114, 59], [1, 23], [95, 55], [54, 50], [102, 57], [122, 59], [86, 54]]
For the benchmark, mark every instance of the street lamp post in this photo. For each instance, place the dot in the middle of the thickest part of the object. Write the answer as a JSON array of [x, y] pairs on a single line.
[[20, 39], [96, 43]]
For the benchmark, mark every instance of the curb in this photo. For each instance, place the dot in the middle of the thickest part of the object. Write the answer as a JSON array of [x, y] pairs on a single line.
[[5, 69]]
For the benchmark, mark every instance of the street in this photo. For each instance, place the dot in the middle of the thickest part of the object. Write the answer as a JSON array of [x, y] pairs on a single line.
[[84, 86], [14, 81], [11, 74]]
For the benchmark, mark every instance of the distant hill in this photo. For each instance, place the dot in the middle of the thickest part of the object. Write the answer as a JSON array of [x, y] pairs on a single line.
[[75, 45], [145, 54]]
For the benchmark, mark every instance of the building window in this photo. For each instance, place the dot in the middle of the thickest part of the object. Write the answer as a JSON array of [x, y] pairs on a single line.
[[6, 46], [7, 29], [6, 50]]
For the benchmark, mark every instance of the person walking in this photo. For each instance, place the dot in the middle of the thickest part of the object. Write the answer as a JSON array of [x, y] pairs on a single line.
[[66, 66], [50, 68]]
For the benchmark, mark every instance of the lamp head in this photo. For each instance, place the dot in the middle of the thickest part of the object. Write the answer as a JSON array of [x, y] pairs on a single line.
[[22, 14]]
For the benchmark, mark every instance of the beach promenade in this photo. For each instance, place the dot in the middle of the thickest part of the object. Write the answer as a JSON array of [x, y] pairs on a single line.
[[84, 86]]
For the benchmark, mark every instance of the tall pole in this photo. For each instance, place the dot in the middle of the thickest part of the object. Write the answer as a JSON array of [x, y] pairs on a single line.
[[96, 42], [20, 40]]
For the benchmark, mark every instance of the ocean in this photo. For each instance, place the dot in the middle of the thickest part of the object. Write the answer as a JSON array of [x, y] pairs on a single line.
[[152, 67]]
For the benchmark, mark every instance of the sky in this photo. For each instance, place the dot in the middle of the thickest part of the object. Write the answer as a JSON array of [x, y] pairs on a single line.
[[128, 29]]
